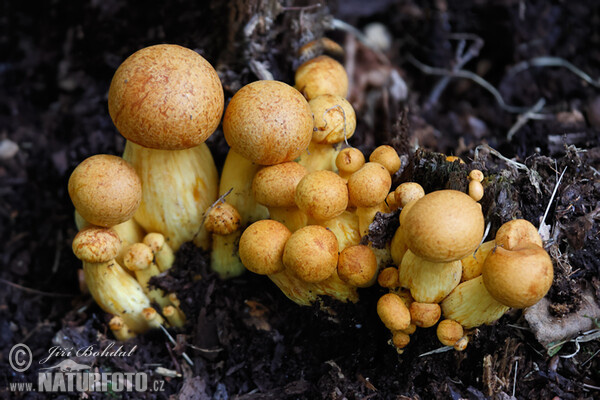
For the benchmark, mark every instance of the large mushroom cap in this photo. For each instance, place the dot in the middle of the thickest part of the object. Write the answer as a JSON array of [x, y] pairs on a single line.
[[268, 122], [443, 226], [261, 246], [166, 97], [275, 185], [520, 277], [105, 190], [311, 253]]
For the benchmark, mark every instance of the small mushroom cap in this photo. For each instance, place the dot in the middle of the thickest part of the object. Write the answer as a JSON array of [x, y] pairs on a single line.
[[520, 277], [322, 195], [370, 185], [95, 244], [357, 265], [476, 175], [223, 219], [105, 190], [443, 226], [475, 190], [449, 332], [335, 119], [166, 97], [138, 256], [311, 253], [516, 233], [393, 312], [321, 75], [349, 160], [261, 246], [275, 185], [386, 156], [424, 315], [155, 240], [388, 278], [268, 122], [400, 339], [407, 192]]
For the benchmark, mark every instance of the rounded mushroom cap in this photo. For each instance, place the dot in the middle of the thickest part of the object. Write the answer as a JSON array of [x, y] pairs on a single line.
[[357, 265], [321, 75], [449, 332], [105, 190], [475, 190], [138, 256], [370, 185], [335, 119], [275, 185], [349, 160], [407, 192], [520, 277], [223, 219], [516, 233], [388, 278], [424, 315], [443, 226], [261, 246], [476, 175], [155, 240], [386, 156], [311, 253], [95, 244], [400, 339], [322, 195], [166, 97], [268, 122], [393, 312]]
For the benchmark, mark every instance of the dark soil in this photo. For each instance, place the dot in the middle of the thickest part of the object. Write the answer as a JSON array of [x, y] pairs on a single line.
[[247, 341]]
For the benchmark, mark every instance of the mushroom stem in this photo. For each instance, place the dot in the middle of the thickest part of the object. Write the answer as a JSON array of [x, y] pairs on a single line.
[[177, 185], [120, 329], [471, 305], [175, 317], [291, 217], [320, 156], [238, 173], [163, 253]]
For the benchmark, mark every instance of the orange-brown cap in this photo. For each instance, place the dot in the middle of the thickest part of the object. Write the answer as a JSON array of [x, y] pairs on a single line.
[[321, 75], [166, 97], [95, 244], [349, 160], [105, 190], [275, 185], [311, 253], [357, 265], [335, 119], [386, 156], [322, 195], [370, 185], [261, 246], [393, 312], [268, 122], [449, 332]]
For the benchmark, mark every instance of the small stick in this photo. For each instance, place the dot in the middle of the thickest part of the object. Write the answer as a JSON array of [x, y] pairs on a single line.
[[523, 118], [174, 343], [551, 199], [515, 380]]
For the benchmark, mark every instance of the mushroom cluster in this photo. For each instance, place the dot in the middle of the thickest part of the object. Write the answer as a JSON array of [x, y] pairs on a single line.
[[135, 212], [444, 271]]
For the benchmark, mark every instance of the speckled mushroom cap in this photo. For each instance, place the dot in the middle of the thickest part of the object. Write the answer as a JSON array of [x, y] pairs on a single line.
[[105, 190], [444, 226], [335, 119], [268, 122], [357, 265], [322, 195], [95, 244], [520, 277], [166, 97], [275, 185], [311, 253], [321, 75], [261, 246], [370, 185]]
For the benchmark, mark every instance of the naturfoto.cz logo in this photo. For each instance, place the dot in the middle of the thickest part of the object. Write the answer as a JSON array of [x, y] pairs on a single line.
[[71, 376]]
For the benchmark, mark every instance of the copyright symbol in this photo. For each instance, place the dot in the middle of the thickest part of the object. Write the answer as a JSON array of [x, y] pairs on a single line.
[[20, 357]]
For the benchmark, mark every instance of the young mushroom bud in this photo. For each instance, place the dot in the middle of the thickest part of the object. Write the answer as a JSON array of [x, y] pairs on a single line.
[[407, 192], [311, 253], [424, 315], [105, 190], [348, 161], [449, 332], [139, 259], [357, 266], [163, 254], [268, 122], [393, 312], [386, 156], [476, 175], [175, 317], [388, 278], [400, 339], [335, 120], [261, 246], [275, 187], [119, 329], [321, 75], [222, 219], [444, 226], [166, 100], [322, 195], [368, 187], [475, 190]]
